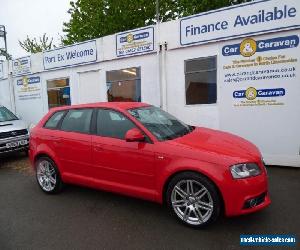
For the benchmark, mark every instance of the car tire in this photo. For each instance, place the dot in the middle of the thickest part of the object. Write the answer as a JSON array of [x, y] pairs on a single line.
[[48, 176], [193, 199]]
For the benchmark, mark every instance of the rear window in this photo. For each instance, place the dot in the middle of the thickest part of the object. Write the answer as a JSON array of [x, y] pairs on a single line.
[[54, 120]]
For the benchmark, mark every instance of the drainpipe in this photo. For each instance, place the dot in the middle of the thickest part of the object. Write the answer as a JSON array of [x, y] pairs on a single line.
[[11, 88], [164, 76], [158, 59], [159, 76]]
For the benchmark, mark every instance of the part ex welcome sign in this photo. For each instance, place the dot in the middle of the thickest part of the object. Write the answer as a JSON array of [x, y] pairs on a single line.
[[76, 54], [242, 20]]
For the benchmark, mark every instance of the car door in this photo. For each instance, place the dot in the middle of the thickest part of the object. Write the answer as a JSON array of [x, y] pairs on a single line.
[[129, 165], [73, 144]]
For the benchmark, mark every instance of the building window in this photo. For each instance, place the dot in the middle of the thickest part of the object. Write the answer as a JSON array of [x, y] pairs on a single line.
[[58, 92], [201, 80], [124, 85]]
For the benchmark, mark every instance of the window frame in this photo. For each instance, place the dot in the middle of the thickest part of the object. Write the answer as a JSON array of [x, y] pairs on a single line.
[[95, 123], [201, 71]]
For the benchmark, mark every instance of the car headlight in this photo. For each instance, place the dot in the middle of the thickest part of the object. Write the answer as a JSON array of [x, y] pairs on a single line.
[[244, 170]]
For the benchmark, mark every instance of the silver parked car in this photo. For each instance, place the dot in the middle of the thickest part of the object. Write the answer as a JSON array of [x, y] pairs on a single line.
[[14, 135]]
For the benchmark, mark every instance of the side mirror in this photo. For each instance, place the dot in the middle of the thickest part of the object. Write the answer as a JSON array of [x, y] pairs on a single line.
[[134, 135]]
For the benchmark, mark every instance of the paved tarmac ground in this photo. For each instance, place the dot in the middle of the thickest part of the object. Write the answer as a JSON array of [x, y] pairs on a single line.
[[81, 218]]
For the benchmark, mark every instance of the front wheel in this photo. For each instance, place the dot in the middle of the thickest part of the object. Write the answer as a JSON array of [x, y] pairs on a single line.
[[193, 199], [48, 176]]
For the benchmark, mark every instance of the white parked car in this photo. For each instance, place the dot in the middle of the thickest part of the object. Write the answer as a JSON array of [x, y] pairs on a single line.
[[14, 134]]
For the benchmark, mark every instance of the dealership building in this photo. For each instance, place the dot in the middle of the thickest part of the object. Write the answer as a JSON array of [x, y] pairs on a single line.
[[233, 69]]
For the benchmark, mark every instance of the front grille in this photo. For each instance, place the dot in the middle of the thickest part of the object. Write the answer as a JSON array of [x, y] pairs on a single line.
[[13, 133], [18, 148]]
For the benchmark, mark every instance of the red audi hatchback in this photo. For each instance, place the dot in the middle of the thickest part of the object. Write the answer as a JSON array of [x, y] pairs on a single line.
[[139, 150]]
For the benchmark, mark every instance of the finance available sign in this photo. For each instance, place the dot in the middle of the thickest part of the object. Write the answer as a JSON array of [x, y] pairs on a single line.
[[243, 20], [77, 54]]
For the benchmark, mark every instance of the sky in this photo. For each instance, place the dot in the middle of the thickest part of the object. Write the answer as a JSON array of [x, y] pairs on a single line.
[[32, 18]]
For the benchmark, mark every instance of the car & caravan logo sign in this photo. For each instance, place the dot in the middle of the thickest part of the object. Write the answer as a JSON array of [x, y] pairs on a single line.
[[135, 42], [248, 47]]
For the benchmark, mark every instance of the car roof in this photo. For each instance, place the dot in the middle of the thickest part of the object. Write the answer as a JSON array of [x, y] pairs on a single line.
[[114, 105]]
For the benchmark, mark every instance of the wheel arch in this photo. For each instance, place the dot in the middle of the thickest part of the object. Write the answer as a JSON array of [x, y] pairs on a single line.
[[43, 154]]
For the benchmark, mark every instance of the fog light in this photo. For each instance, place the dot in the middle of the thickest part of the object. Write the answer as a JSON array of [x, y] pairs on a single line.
[[252, 203]]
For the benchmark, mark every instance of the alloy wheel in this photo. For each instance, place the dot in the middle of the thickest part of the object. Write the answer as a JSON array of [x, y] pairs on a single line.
[[192, 202], [46, 175]]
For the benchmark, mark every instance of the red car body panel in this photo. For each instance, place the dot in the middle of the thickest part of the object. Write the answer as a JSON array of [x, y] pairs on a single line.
[[143, 169]]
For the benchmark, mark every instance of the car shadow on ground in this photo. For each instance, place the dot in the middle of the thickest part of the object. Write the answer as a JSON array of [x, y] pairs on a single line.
[[119, 201]]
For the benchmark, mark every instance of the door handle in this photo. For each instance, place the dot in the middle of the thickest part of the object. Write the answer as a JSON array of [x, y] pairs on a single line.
[[98, 148], [56, 142]]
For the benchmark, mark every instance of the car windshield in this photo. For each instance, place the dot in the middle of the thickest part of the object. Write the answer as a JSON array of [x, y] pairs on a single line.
[[160, 123], [6, 115]]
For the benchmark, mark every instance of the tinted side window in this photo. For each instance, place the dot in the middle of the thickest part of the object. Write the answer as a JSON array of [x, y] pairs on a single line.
[[77, 120], [54, 119], [112, 124]]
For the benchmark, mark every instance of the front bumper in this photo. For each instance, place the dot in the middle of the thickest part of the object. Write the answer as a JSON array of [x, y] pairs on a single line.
[[5, 150], [244, 196]]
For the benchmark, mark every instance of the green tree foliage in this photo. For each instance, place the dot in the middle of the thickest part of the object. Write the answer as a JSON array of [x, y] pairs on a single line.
[[96, 18], [35, 46], [5, 54]]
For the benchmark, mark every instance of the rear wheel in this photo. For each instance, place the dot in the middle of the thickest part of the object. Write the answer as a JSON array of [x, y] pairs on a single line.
[[48, 176], [193, 199]]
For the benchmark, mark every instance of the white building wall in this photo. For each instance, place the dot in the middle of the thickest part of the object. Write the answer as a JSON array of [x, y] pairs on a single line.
[[148, 64], [273, 128], [88, 82], [32, 110], [202, 114]]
